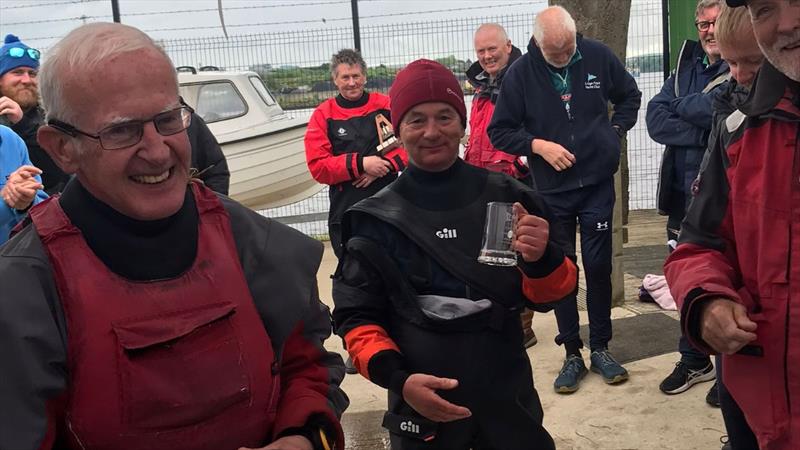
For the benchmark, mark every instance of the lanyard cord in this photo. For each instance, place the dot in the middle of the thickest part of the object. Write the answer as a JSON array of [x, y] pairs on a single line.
[[564, 91], [563, 78]]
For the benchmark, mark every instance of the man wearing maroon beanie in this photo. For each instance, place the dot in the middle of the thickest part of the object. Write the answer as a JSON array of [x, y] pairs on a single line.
[[420, 316]]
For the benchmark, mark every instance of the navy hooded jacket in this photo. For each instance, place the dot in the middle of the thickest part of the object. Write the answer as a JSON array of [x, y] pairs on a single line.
[[529, 107], [680, 117]]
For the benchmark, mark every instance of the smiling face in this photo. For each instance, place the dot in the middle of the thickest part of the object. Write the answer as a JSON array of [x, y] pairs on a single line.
[[492, 50], [145, 181], [744, 58], [21, 85], [431, 133], [776, 25], [350, 81], [706, 37]]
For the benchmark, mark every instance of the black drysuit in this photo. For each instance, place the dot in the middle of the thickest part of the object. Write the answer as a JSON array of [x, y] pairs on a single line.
[[421, 236]]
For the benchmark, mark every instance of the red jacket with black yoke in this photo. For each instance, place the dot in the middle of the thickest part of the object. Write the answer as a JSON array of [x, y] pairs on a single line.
[[479, 149], [340, 134], [741, 241]]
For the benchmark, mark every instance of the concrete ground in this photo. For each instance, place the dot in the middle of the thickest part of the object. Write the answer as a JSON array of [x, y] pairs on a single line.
[[633, 415]]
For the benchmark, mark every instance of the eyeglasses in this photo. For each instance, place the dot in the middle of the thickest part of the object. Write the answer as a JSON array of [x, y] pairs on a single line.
[[19, 52], [126, 134], [704, 25]]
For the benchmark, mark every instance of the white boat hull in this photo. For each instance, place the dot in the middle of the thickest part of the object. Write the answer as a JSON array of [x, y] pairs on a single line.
[[270, 170], [262, 144]]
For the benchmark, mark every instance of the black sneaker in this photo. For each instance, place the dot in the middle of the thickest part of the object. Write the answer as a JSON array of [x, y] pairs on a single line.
[[682, 378], [349, 367], [712, 398]]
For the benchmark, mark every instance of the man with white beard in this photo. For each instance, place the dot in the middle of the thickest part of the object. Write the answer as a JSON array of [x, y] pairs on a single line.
[[735, 272], [553, 108]]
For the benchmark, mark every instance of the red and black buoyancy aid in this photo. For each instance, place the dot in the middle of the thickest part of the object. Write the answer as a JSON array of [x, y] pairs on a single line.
[[164, 364]]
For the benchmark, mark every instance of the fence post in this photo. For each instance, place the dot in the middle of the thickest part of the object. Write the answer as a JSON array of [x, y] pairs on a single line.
[[356, 29], [115, 10]]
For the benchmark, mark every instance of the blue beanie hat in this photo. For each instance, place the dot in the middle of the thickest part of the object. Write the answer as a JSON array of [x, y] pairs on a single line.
[[28, 57]]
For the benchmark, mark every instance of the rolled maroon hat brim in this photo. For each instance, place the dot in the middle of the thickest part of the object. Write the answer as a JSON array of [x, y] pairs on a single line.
[[735, 3], [425, 81]]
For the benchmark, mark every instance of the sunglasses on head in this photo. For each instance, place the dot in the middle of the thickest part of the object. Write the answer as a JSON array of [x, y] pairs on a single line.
[[19, 52]]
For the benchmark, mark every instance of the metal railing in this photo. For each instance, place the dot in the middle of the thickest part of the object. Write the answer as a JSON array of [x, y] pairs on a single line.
[[295, 67]]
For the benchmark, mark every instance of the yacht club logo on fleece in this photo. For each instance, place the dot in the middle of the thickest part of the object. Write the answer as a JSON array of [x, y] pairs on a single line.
[[591, 82]]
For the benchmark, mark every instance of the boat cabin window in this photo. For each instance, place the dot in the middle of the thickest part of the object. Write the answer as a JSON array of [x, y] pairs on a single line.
[[219, 101], [258, 83]]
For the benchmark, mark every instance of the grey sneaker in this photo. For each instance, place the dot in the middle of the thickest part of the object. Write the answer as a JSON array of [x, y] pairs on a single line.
[[605, 364], [570, 375]]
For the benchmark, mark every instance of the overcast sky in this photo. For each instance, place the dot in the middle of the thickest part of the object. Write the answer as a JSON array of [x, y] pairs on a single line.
[[39, 20], [40, 23]]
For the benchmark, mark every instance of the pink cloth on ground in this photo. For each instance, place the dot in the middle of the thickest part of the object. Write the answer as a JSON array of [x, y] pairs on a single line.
[[657, 286]]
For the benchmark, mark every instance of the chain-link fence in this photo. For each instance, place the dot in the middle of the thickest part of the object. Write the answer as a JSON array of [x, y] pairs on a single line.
[[644, 61], [295, 66]]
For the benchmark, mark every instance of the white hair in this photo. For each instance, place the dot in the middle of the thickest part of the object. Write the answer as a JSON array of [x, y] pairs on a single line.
[[501, 32], [81, 51], [703, 5], [554, 23]]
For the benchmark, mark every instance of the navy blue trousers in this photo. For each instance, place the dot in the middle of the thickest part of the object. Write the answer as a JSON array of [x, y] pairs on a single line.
[[740, 435], [592, 208]]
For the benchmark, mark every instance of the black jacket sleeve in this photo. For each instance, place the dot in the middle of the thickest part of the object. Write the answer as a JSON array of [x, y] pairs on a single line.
[[507, 129], [207, 156], [33, 352], [363, 308], [624, 95]]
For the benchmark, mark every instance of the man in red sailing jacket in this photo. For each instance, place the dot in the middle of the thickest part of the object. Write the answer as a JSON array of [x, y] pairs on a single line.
[[342, 141], [142, 310], [495, 53], [736, 270]]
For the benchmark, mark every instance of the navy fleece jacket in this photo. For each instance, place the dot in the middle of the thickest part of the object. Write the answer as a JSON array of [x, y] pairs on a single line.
[[529, 108]]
